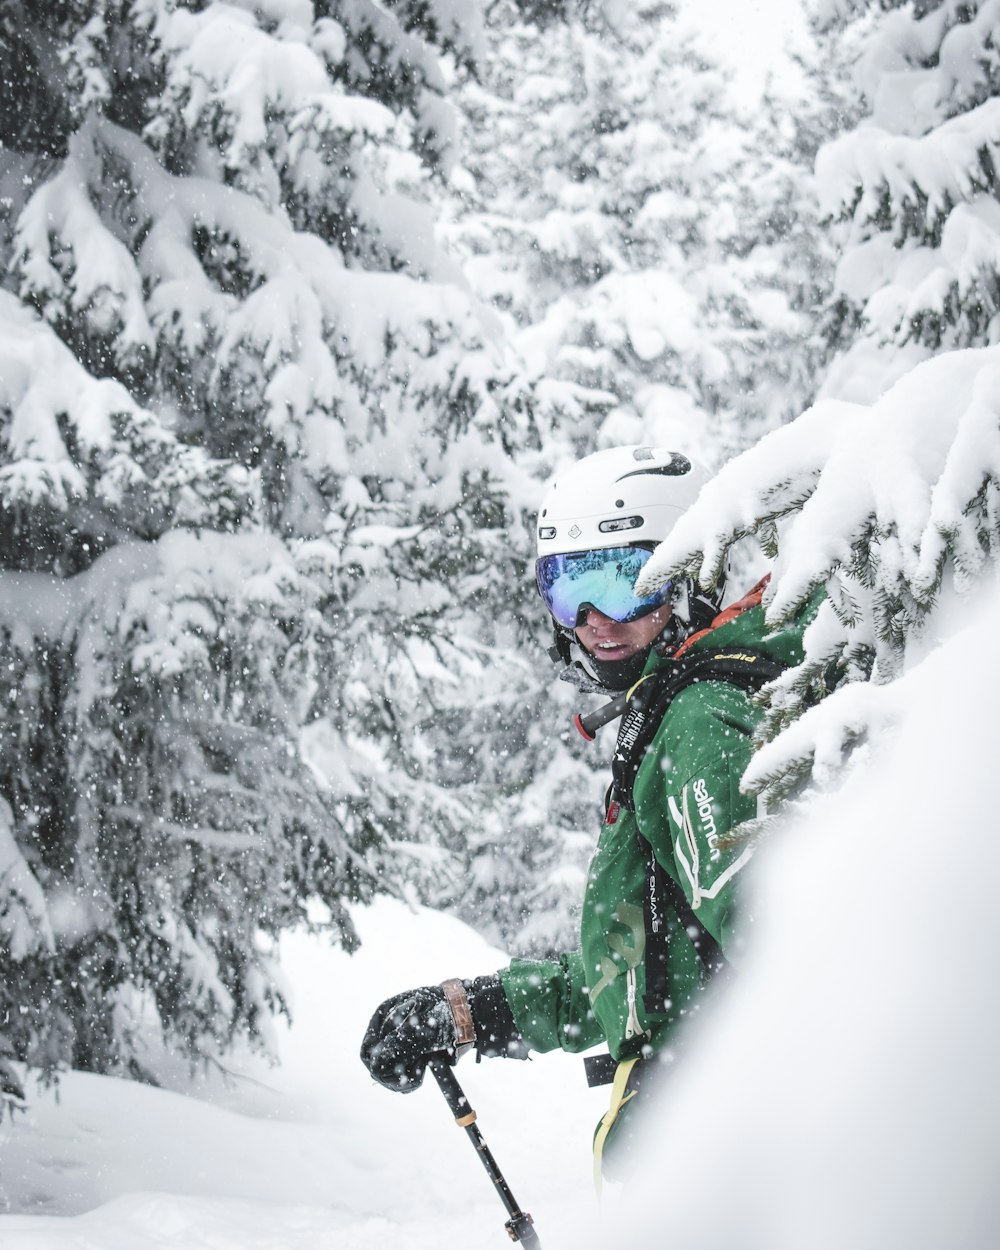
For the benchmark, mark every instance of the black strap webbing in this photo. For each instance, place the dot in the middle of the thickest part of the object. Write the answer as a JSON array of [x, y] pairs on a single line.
[[663, 924], [743, 667]]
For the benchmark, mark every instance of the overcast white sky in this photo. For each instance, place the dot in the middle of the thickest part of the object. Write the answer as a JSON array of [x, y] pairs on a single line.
[[751, 34]]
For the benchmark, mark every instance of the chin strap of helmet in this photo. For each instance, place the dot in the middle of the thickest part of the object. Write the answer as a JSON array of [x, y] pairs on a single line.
[[574, 669]]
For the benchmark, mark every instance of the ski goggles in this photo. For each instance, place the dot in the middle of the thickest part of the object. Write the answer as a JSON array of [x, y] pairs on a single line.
[[601, 579]]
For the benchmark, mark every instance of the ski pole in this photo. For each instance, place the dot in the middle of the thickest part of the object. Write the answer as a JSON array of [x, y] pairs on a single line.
[[520, 1227]]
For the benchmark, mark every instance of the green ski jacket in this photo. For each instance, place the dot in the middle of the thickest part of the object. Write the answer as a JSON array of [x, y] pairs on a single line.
[[686, 798]]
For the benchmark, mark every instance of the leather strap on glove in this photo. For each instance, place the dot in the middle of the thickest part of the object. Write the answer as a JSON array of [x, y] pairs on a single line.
[[461, 1013]]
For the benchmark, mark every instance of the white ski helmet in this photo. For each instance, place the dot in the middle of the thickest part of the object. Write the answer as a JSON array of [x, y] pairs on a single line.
[[622, 501], [617, 497]]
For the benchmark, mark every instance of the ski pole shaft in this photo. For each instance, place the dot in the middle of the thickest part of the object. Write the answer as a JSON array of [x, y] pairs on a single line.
[[520, 1226]]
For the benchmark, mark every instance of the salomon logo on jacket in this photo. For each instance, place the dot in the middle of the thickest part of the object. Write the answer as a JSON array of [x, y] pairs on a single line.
[[706, 814]]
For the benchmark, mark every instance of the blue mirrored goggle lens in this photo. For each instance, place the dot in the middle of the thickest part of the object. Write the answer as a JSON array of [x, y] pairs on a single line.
[[602, 579]]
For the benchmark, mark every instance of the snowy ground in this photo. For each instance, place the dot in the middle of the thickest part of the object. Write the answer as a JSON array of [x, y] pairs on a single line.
[[311, 1154]]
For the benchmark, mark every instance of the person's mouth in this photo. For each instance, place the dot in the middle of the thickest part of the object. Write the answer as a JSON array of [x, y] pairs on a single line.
[[610, 650]]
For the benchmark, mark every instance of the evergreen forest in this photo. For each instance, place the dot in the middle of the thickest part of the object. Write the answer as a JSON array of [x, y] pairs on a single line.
[[302, 302]]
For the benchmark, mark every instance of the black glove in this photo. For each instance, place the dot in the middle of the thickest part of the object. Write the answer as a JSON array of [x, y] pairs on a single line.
[[402, 1035], [407, 1029]]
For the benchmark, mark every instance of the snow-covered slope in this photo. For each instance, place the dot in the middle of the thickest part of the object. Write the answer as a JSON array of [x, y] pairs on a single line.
[[311, 1154], [847, 1091]]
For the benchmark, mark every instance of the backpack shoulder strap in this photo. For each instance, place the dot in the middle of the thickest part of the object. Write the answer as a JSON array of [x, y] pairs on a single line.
[[745, 667]]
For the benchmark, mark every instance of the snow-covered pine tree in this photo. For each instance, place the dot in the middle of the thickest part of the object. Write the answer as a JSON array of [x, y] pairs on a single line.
[[886, 493], [256, 482], [634, 225], [913, 189], [535, 220], [778, 256]]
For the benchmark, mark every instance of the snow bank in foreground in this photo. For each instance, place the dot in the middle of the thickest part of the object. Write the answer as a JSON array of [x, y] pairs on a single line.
[[847, 1091]]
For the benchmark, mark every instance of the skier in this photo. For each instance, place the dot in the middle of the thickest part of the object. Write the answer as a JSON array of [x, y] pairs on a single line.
[[659, 913]]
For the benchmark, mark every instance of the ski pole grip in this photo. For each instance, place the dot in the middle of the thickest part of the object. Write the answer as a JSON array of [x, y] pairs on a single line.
[[454, 1095]]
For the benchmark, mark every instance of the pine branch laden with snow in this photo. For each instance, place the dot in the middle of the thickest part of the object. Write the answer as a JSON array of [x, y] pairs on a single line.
[[244, 315], [82, 452], [914, 190], [881, 507]]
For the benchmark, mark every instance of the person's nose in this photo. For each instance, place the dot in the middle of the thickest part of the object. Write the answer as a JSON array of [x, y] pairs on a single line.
[[596, 619]]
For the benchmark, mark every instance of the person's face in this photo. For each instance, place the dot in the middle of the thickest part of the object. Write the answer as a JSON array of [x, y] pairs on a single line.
[[616, 641]]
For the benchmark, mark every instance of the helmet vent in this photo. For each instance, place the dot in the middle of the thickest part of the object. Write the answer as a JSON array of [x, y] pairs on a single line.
[[621, 523]]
